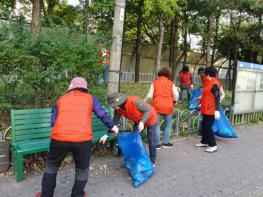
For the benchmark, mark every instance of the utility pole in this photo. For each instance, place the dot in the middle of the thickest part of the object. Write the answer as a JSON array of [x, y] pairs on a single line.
[[116, 49]]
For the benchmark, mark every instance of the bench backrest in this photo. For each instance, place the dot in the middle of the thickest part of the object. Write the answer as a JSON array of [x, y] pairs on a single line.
[[30, 124]]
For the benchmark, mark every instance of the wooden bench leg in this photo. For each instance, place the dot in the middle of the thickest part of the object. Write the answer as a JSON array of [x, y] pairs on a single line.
[[19, 167]]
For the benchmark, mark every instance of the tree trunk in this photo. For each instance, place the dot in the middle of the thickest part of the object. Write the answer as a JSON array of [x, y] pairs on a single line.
[[215, 40], [185, 37], [175, 43], [138, 43], [36, 17], [160, 44], [172, 45], [86, 19], [208, 42], [260, 32], [234, 76]]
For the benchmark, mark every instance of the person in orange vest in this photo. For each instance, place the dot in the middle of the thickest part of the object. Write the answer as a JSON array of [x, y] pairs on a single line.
[[104, 56], [210, 104], [204, 80], [164, 95], [140, 112], [72, 132], [186, 82]]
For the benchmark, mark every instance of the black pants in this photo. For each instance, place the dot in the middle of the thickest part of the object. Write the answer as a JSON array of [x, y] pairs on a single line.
[[57, 151], [208, 136], [151, 132]]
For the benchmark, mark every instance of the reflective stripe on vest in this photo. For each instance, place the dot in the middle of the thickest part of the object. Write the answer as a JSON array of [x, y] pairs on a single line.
[[74, 119], [131, 112], [208, 104], [163, 95]]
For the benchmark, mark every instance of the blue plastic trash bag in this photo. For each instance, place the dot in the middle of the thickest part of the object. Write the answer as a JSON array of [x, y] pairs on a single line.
[[195, 94], [223, 128], [136, 157]]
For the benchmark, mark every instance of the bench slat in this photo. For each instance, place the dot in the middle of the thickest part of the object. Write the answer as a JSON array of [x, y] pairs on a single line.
[[32, 111], [29, 131], [32, 145], [99, 127], [32, 136], [31, 116], [32, 121], [31, 126]]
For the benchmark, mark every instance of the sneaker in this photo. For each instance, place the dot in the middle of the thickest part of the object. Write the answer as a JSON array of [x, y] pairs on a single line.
[[211, 149], [201, 145], [38, 194], [169, 145], [159, 146]]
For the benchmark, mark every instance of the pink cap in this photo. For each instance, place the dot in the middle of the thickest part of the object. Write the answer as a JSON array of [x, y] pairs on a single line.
[[78, 82]]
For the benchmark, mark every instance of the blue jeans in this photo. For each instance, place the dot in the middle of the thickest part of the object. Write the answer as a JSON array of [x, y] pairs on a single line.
[[167, 128], [182, 88], [106, 72]]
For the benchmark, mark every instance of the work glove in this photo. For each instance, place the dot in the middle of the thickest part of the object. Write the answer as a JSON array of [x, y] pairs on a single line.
[[217, 115], [115, 130], [103, 139], [140, 126]]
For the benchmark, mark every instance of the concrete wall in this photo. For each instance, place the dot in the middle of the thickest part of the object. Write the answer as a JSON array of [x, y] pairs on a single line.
[[148, 58]]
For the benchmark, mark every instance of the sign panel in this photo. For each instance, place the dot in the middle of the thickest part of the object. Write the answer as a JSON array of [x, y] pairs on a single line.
[[249, 88]]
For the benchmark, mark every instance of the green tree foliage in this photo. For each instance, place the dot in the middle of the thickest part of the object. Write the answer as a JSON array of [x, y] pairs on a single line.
[[62, 13], [39, 69], [6, 6]]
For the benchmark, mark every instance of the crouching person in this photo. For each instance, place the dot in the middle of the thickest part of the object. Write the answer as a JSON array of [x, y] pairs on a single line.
[[72, 132], [138, 111]]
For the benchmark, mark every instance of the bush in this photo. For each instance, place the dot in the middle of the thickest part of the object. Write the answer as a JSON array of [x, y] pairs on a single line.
[[35, 71]]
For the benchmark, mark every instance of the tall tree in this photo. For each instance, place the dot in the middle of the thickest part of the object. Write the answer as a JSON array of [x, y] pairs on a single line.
[[163, 9], [86, 18], [36, 16], [138, 41]]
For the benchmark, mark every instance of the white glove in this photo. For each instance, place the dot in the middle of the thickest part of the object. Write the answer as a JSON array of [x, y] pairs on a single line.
[[103, 139], [140, 126], [115, 130], [217, 115], [192, 86]]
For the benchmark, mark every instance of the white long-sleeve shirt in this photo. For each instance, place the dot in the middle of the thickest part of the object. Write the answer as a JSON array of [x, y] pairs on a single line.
[[151, 91]]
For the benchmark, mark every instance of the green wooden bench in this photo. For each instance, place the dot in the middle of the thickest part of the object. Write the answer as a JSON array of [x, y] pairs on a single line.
[[31, 134]]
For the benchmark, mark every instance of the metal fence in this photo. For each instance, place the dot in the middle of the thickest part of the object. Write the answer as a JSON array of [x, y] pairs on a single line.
[[130, 77], [149, 77]]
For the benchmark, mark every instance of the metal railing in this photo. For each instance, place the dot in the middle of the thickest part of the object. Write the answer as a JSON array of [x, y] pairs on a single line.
[[143, 77]]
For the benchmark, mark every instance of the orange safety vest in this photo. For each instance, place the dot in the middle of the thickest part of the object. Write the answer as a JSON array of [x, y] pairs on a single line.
[[186, 78], [163, 95], [208, 104], [131, 112], [74, 119]]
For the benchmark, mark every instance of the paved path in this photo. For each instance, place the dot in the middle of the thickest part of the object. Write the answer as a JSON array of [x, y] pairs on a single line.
[[236, 169]]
